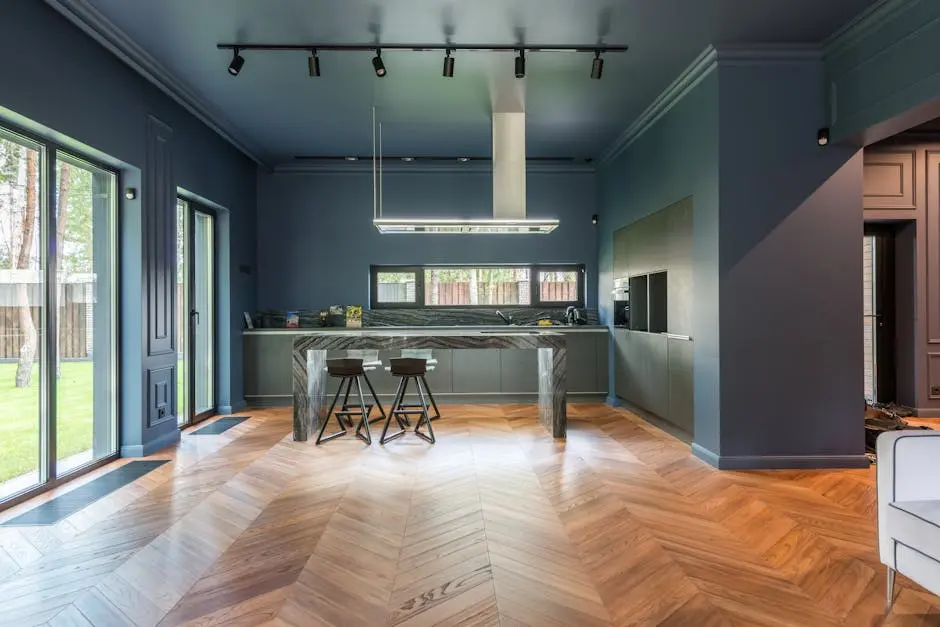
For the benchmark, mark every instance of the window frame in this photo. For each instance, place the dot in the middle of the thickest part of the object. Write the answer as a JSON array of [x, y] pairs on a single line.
[[534, 295], [52, 150], [375, 270]]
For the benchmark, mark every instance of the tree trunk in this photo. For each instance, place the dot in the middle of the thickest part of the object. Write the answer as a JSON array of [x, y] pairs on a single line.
[[474, 287], [61, 223], [24, 368]]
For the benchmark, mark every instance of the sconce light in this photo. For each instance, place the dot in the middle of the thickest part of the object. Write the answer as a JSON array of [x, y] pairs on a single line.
[[594, 219], [130, 193], [822, 136]]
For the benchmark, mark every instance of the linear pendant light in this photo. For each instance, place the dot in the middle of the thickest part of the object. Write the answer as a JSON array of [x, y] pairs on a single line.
[[509, 190]]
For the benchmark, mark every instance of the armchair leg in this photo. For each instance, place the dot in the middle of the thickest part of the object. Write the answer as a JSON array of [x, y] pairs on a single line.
[[890, 591]]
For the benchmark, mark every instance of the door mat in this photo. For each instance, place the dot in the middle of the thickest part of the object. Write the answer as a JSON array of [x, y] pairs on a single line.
[[61, 507], [221, 425]]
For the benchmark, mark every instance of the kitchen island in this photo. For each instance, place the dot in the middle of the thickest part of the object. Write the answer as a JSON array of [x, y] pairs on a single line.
[[309, 357]]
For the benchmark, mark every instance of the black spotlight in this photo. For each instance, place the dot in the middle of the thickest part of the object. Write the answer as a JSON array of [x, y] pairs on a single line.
[[377, 64], [594, 219], [238, 61], [448, 65], [597, 67], [822, 136], [520, 64], [313, 64]]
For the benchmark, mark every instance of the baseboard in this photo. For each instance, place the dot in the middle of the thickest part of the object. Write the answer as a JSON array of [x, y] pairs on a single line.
[[778, 462], [234, 407], [706, 455], [444, 398], [143, 450]]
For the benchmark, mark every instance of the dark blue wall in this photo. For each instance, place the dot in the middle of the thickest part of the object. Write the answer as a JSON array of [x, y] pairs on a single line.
[[316, 239], [777, 227], [676, 158], [791, 269], [61, 79]]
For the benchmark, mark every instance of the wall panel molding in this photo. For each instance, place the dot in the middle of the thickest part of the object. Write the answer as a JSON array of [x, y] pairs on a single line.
[[159, 240], [161, 395], [933, 376], [889, 180], [932, 231]]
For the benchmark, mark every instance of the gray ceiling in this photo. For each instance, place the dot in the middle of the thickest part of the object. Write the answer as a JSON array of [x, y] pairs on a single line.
[[274, 105]]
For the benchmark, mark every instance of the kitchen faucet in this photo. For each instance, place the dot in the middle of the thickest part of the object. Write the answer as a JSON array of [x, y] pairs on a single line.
[[505, 319]]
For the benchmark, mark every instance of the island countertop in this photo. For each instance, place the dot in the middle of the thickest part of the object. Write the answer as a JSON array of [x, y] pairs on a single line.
[[310, 350], [430, 329]]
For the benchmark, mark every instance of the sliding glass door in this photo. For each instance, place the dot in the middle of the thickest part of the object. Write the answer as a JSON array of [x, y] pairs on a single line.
[[23, 421], [86, 316], [57, 314], [195, 312]]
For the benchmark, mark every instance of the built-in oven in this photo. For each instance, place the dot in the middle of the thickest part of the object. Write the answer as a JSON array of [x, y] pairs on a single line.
[[621, 301]]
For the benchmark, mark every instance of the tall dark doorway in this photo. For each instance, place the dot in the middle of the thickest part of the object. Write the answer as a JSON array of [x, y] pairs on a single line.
[[880, 325]]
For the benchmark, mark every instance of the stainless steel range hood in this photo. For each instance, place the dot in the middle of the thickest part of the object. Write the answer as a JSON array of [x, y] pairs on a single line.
[[509, 191]]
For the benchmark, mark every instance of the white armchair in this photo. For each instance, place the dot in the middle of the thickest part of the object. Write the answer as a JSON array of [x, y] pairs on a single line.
[[909, 507]]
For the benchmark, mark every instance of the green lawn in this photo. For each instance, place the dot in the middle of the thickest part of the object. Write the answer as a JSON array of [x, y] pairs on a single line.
[[19, 417]]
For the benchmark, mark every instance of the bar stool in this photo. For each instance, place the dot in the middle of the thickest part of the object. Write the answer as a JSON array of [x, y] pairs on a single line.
[[370, 361], [428, 357], [408, 369], [347, 370]]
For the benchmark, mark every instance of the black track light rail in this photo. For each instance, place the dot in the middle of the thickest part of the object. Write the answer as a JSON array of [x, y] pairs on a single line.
[[597, 48]]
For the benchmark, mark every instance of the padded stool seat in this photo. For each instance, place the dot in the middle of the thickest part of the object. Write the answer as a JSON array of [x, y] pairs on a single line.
[[349, 371], [408, 369]]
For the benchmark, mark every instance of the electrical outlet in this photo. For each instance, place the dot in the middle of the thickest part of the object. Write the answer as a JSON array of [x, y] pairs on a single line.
[[935, 390], [161, 412]]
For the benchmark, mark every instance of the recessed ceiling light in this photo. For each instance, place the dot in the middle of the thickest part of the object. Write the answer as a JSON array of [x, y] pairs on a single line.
[[352, 158], [409, 159], [463, 159]]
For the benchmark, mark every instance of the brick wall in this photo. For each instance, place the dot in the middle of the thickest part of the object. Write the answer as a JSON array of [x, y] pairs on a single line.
[[868, 311]]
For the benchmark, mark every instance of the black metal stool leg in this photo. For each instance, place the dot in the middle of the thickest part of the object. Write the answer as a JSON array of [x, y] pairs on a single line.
[[425, 417], [437, 412], [392, 414], [375, 397], [364, 419], [348, 381], [326, 420]]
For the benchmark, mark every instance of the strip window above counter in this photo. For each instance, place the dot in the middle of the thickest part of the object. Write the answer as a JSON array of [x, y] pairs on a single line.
[[451, 286]]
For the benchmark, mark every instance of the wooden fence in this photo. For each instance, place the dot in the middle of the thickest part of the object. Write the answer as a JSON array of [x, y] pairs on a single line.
[[558, 292], [74, 331], [454, 294]]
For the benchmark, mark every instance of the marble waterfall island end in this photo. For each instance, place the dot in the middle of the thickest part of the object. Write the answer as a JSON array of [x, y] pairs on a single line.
[[310, 351]]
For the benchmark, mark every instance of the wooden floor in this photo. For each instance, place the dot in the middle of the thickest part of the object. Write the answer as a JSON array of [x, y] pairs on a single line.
[[496, 524]]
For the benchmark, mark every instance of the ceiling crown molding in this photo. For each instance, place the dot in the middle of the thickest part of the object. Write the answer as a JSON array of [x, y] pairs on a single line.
[[864, 24], [697, 71], [397, 167], [105, 32], [694, 74]]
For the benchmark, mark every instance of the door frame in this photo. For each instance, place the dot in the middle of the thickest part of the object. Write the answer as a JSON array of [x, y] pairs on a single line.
[[48, 327], [884, 310], [192, 418]]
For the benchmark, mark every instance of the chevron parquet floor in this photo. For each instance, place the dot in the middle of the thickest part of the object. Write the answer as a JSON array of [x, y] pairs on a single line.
[[496, 524]]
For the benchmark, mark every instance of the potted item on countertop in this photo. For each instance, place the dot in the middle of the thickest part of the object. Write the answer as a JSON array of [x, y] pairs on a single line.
[[354, 316], [292, 320]]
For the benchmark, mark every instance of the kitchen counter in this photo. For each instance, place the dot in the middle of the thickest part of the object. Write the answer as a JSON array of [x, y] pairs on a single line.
[[309, 358], [469, 328], [498, 375]]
